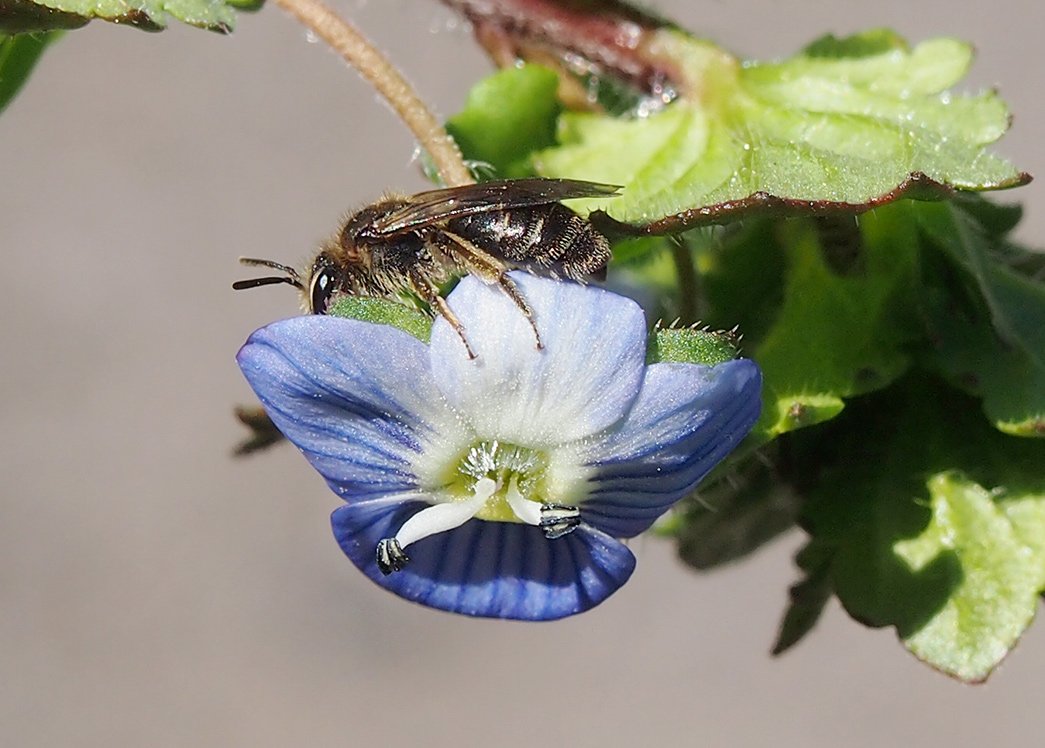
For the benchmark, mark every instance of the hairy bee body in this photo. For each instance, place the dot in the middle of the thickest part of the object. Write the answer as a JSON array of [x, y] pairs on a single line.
[[414, 243], [545, 238], [542, 238], [362, 263]]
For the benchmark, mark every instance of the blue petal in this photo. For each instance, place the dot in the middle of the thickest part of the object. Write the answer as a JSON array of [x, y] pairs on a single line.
[[356, 398], [686, 418], [488, 569], [582, 381]]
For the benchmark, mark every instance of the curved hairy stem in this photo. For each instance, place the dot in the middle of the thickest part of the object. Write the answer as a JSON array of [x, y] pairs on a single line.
[[375, 68]]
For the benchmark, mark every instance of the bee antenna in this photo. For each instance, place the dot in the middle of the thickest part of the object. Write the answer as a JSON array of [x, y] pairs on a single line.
[[292, 277], [271, 264], [268, 281]]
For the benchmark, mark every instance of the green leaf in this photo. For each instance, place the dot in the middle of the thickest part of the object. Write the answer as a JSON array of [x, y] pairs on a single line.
[[150, 15], [383, 312], [507, 116], [931, 519], [735, 511], [807, 597], [997, 595], [995, 220], [22, 16], [845, 125], [18, 55], [845, 320], [987, 324], [872, 43], [835, 307], [743, 277]]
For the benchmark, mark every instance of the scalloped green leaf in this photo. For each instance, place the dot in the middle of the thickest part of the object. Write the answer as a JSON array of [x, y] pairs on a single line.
[[997, 594], [987, 324], [931, 521], [844, 125], [149, 15], [18, 56]]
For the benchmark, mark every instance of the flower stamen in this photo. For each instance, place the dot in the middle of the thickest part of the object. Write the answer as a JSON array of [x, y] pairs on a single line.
[[558, 520], [390, 556], [429, 521], [525, 509]]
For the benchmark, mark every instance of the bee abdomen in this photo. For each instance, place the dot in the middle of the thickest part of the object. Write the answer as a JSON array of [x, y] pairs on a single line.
[[549, 237]]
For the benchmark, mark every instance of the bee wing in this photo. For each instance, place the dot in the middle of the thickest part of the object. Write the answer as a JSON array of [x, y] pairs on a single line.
[[433, 206]]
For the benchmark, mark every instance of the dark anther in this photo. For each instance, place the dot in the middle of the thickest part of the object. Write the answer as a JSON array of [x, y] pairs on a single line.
[[390, 556], [558, 520]]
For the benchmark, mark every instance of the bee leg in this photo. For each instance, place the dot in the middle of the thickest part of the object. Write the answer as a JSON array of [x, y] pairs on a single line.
[[490, 269], [508, 286], [428, 291], [444, 309]]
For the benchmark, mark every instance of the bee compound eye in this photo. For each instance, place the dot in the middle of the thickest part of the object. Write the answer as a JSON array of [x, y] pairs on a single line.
[[324, 283]]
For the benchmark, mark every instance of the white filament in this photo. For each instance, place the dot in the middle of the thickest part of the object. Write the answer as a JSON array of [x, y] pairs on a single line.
[[447, 516], [526, 510]]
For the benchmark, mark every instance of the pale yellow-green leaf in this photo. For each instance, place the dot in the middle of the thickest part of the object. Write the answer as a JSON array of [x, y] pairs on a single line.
[[811, 132], [1001, 562]]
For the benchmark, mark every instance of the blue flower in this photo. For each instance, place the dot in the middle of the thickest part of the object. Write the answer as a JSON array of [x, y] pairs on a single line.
[[499, 486]]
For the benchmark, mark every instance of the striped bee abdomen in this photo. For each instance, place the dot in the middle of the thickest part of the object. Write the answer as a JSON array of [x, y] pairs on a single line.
[[546, 237]]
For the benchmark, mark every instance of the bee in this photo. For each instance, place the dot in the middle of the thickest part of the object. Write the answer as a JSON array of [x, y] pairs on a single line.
[[414, 243]]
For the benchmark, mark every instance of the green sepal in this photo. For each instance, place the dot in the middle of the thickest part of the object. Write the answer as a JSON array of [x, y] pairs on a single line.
[[383, 312], [263, 432], [691, 346]]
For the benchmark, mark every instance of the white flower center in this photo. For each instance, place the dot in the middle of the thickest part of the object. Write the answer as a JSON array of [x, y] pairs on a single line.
[[518, 475], [492, 481]]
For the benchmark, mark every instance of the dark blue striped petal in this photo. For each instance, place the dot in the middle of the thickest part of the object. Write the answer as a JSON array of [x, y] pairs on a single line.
[[356, 398], [488, 569], [686, 418]]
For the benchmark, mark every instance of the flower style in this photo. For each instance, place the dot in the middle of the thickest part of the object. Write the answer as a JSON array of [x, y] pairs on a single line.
[[499, 486]]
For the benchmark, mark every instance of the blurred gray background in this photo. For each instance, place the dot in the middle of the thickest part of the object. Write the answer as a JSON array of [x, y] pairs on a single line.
[[153, 591]]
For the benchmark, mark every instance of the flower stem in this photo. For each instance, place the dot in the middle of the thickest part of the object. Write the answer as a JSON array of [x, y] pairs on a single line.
[[376, 69], [689, 282]]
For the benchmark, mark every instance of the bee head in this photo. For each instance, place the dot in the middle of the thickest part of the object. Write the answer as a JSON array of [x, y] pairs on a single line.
[[327, 277]]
